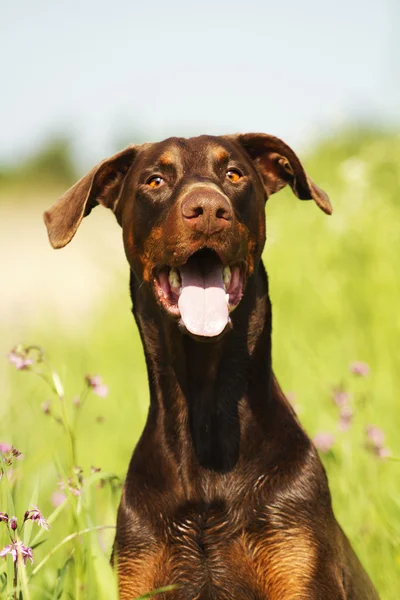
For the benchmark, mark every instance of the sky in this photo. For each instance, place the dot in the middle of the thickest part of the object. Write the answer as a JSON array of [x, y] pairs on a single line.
[[107, 73]]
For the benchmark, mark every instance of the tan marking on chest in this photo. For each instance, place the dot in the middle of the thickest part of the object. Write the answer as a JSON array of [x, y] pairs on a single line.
[[137, 575], [284, 563], [214, 561]]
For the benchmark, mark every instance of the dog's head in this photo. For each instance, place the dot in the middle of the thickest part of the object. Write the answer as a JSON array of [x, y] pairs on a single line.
[[192, 214]]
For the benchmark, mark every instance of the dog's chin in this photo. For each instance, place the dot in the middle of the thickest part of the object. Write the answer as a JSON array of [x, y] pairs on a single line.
[[202, 339]]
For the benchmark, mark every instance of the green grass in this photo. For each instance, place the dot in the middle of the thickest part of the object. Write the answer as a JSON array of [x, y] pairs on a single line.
[[335, 294]]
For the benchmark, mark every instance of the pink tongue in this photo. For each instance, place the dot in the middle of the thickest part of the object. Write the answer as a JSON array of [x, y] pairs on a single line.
[[202, 303]]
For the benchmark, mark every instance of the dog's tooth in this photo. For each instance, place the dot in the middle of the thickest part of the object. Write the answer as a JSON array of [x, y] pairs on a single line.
[[226, 276], [173, 276], [227, 298], [174, 279]]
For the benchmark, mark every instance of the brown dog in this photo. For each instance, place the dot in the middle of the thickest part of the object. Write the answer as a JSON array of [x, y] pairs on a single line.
[[225, 494]]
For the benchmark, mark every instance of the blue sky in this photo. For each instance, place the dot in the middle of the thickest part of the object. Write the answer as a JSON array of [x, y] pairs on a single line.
[[105, 71]]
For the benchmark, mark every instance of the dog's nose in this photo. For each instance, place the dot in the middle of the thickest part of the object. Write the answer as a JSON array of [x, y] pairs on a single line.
[[206, 211]]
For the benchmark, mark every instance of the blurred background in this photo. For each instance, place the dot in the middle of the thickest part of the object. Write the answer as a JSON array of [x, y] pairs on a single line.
[[82, 80]]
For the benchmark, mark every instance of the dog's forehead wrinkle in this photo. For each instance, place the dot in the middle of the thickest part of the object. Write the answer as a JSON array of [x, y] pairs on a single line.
[[204, 156], [199, 155]]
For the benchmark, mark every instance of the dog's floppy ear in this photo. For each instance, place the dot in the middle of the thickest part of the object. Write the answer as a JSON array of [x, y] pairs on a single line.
[[102, 185], [278, 166]]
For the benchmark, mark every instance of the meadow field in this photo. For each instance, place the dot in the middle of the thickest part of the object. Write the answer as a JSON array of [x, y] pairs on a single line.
[[335, 293]]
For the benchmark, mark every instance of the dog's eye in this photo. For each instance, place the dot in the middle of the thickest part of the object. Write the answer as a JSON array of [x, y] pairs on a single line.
[[234, 175], [155, 181]]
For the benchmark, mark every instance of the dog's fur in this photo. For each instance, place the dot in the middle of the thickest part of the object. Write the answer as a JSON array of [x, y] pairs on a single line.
[[225, 495]]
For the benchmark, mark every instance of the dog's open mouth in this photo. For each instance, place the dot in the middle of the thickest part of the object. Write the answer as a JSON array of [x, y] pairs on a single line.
[[203, 292]]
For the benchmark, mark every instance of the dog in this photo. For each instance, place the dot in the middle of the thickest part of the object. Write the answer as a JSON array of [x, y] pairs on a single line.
[[225, 496]]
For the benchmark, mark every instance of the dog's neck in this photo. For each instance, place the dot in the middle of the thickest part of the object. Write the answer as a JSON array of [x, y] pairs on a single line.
[[206, 397]]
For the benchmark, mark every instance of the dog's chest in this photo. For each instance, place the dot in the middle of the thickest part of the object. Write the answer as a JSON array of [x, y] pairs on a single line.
[[208, 556], [216, 554]]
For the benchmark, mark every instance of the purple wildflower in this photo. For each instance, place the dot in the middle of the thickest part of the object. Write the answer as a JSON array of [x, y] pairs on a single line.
[[3, 517], [324, 441], [98, 387], [376, 441], [359, 368], [340, 396], [13, 523], [36, 515], [383, 452], [345, 417], [74, 484], [375, 435], [19, 359], [71, 486], [17, 549]]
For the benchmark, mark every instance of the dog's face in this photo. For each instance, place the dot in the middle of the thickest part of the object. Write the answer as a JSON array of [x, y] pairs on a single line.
[[193, 226], [192, 214]]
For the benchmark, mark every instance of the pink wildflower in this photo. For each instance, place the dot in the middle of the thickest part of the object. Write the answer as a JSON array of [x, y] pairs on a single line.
[[17, 549], [375, 436], [345, 418], [3, 517], [4, 447], [376, 441], [324, 441], [36, 515], [13, 523], [19, 359], [71, 486], [359, 368], [97, 386], [340, 396], [383, 452]]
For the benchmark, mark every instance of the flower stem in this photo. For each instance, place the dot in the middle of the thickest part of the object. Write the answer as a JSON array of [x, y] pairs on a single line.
[[15, 579]]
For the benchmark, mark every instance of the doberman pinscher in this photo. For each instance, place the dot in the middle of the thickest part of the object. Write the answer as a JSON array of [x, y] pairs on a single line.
[[225, 496]]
